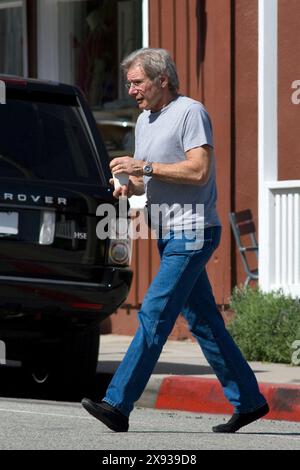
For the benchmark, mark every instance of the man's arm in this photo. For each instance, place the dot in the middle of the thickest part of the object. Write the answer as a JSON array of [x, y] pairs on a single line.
[[194, 170]]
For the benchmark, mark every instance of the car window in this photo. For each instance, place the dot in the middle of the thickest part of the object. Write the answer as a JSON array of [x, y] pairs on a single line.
[[46, 141]]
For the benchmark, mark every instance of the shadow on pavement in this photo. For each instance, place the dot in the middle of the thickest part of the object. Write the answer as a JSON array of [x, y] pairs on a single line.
[[15, 382], [162, 368]]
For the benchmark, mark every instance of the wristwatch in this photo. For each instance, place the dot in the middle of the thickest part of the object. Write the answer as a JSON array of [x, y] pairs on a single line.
[[148, 169]]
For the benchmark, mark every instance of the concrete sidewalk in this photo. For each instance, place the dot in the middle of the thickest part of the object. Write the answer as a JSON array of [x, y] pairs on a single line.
[[183, 380]]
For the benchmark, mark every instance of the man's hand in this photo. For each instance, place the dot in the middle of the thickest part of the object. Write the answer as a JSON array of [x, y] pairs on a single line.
[[120, 191], [135, 187], [127, 165]]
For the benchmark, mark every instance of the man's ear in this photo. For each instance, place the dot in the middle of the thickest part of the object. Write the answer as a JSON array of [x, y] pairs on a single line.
[[164, 81]]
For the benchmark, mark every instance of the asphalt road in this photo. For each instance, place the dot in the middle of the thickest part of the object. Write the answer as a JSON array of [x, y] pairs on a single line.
[[32, 419], [50, 425]]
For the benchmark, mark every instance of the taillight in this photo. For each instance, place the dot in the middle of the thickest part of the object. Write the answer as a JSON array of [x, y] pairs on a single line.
[[115, 226], [120, 252], [47, 228], [120, 245]]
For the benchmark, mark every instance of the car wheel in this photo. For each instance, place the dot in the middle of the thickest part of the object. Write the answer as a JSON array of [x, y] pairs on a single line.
[[70, 366]]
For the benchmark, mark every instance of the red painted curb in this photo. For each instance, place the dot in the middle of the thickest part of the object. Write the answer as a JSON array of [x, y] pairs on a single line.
[[206, 395]]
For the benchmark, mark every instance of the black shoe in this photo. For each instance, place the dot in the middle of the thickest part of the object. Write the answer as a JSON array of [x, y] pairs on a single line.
[[239, 420], [107, 414]]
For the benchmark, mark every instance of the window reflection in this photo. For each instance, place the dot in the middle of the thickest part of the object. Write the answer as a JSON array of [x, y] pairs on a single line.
[[11, 38], [94, 36]]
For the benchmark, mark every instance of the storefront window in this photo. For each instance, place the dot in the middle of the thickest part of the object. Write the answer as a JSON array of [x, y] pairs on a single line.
[[82, 42], [12, 37], [93, 37]]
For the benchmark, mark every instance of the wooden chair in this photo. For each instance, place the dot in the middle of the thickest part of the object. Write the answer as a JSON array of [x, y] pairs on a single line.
[[244, 229]]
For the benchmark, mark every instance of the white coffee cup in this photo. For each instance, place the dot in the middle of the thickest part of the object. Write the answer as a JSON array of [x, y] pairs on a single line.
[[120, 179]]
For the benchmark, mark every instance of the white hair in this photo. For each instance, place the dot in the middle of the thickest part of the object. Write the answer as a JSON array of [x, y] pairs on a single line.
[[155, 63]]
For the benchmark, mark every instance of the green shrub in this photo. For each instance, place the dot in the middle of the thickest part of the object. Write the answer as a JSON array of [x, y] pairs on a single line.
[[265, 325]]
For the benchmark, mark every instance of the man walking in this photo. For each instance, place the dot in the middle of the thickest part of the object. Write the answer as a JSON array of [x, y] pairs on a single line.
[[174, 165]]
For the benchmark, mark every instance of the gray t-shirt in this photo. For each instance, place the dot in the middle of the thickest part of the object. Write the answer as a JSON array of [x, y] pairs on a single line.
[[164, 137]]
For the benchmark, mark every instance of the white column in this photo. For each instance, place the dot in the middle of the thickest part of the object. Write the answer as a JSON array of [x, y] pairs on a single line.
[[145, 14], [267, 134]]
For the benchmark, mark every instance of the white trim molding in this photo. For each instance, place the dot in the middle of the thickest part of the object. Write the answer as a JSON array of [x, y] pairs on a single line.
[[285, 234], [267, 133]]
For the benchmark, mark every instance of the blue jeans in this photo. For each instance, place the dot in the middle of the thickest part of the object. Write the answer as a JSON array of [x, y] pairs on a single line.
[[182, 285]]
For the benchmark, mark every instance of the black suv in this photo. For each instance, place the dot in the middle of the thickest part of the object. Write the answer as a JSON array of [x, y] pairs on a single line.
[[58, 280]]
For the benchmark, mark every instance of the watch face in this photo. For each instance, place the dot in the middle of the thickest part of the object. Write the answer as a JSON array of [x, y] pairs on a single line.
[[148, 169]]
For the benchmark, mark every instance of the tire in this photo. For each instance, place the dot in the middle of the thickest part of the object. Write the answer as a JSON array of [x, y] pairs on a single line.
[[70, 366]]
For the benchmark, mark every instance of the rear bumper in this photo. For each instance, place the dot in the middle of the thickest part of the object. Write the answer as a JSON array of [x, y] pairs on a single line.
[[40, 295]]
